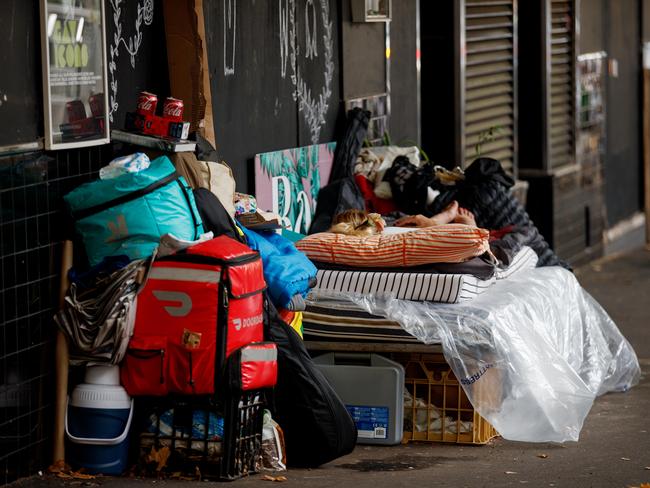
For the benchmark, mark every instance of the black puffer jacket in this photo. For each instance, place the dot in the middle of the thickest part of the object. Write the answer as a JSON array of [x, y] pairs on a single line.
[[486, 193], [342, 192]]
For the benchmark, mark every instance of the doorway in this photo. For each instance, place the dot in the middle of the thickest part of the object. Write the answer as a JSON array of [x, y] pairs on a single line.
[[623, 165]]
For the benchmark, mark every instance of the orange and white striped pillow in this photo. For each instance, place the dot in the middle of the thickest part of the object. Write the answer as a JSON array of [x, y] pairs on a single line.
[[450, 243]]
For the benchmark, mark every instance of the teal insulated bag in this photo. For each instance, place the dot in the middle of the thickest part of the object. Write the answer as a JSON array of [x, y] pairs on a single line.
[[129, 214]]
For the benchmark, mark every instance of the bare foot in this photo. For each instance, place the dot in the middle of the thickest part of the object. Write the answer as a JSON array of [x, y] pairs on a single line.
[[447, 215], [465, 217]]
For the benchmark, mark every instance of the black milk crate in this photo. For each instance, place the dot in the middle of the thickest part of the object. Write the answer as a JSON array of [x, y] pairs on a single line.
[[212, 438]]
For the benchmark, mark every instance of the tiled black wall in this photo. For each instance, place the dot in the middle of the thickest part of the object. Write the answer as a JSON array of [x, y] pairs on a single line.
[[32, 227]]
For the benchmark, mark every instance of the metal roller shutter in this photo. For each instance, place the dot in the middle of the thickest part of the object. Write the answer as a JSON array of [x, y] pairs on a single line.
[[488, 88], [561, 98]]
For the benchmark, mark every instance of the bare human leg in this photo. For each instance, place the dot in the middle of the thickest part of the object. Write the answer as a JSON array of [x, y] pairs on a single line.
[[446, 216]]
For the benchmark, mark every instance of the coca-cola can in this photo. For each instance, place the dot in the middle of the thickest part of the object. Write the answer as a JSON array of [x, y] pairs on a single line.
[[173, 109], [147, 103], [76, 110], [96, 103]]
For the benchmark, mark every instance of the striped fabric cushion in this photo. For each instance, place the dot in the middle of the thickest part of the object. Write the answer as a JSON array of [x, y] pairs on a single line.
[[451, 243], [523, 260], [346, 323], [429, 287]]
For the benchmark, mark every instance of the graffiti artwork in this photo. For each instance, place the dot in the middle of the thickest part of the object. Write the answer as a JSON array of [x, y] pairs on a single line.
[[287, 182]]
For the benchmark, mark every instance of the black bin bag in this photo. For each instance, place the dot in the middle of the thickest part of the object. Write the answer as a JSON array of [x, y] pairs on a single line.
[[317, 426]]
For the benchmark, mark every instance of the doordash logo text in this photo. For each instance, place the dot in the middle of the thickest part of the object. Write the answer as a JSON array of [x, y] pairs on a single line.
[[247, 322]]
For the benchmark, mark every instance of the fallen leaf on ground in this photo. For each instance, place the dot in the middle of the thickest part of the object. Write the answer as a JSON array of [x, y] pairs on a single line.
[[510, 472], [64, 471], [625, 459], [267, 477], [75, 475], [158, 456], [59, 466], [82, 476], [543, 456]]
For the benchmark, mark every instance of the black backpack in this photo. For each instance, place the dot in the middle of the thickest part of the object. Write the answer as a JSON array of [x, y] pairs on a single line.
[[214, 216], [317, 426]]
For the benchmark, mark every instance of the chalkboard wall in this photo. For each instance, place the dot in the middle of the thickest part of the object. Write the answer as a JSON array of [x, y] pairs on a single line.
[[135, 42], [275, 68], [21, 103], [260, 54], [130, 26]]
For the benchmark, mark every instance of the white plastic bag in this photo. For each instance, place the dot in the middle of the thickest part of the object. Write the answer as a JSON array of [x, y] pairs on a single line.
[[132, 163], [273, 452], [532, 352]]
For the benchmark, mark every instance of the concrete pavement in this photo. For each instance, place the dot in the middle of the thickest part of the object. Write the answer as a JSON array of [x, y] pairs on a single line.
[[613, 451]]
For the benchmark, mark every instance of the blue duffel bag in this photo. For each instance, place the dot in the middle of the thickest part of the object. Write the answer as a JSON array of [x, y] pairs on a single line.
[[129, 214]]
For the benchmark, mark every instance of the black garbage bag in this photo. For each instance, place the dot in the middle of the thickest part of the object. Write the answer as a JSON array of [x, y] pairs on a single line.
[[317, 426], [409, 185], [348, 148], [333, 199], [205, 151]]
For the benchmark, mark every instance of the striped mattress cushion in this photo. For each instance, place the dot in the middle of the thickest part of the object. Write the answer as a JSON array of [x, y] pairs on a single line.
[[526, 258], [430, 287], [451, 243]]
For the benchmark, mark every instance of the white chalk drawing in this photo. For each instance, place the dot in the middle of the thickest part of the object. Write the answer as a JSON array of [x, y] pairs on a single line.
[[145, 13], [311, 49], [229, 36], [284, 36], [148, 12], [313, 108]]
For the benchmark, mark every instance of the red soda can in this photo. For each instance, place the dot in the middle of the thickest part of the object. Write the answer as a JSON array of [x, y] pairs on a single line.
[[96, 103], [147, 103], [173, 109], [76, 110]]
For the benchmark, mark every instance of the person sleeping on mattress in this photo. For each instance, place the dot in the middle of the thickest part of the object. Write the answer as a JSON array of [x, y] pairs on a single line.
[[360, 239], [360, 223]]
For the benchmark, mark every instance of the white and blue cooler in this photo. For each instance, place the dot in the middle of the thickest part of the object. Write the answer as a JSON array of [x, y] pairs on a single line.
[[97, 422]]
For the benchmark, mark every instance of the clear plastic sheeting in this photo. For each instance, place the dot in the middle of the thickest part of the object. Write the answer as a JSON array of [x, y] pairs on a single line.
[[532, 353]]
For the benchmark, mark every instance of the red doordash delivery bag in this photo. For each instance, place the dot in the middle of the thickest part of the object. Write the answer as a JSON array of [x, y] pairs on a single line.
[[196, 308], [253, 367]]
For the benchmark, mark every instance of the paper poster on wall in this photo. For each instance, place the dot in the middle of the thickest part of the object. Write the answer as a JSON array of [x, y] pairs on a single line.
[[74, 73], [287, 182]]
